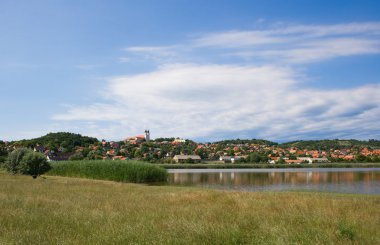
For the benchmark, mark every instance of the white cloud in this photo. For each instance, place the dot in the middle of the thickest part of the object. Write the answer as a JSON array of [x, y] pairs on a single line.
[[367, 28], [204, 100], [257, 94], [322, 50], [283, 43], [155, 53], [237, 39]]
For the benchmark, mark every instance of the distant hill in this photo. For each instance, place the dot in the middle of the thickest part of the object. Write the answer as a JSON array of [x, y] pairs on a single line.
[[246, 141], [61, 139], [332, 144]]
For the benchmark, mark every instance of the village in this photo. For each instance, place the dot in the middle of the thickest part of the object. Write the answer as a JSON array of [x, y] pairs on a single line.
[[178, 150]]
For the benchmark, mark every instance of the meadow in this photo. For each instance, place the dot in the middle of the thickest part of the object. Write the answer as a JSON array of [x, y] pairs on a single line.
[[61, 210]]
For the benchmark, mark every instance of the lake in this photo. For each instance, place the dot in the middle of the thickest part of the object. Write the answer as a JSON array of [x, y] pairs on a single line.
[[342, 180]]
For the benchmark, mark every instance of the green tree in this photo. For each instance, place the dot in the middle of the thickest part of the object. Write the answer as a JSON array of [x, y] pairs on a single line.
[[281, 161], [360, 158], [3, 153], [376, 159], [14, 159], [292, 157], [254, 157], [202, 153], [76, 156], [34, 164], [189, 160]]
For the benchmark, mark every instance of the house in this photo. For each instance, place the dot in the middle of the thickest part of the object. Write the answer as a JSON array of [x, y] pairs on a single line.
[[114, 145], [138, 138], [320, 159], [273, 160], [305, 159], [135, 139], [111, 153], [185, 158], [57, 156], [39, 148], [293, 161], [119, 158], [349, 157], [178, 141], [229, 159]]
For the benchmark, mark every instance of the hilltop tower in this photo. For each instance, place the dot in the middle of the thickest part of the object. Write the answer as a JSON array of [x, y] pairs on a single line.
[[147, 135]]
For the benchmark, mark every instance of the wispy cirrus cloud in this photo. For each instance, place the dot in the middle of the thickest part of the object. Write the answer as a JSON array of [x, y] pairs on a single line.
[[155, 53], [313, 51], [280, 43]]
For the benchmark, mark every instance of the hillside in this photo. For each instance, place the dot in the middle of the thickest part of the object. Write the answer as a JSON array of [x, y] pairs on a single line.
[[246, 141], [332, 144], [53, 141]]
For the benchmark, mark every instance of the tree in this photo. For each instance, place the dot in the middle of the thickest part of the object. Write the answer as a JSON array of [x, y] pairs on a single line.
[[254, 157], [189, 160], [34, 164], [376, 159], [281, 161], [14, 159], [26, 161], [292, 157], [76, 156], [361, 158], [3, 153]]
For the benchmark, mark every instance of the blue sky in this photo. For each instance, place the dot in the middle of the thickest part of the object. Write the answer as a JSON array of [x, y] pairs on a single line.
[[204, 70]]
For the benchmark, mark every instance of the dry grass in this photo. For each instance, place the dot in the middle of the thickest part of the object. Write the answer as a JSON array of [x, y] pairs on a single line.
[[59, 210]]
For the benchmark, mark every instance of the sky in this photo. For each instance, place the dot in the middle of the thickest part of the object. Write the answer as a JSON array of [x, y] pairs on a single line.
[[201, 70]]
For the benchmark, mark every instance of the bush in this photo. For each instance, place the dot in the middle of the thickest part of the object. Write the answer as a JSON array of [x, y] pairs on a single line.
[[122, 171], [34, 164]]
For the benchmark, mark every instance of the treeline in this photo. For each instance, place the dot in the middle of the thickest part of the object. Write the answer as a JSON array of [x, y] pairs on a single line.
[[246, 141], [332, 144]]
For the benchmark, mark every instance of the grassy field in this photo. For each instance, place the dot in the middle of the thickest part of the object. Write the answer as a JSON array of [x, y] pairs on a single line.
[[60, 210], [265, 165]]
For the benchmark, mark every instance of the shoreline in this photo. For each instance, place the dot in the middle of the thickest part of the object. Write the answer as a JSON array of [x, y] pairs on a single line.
[[269, 166]]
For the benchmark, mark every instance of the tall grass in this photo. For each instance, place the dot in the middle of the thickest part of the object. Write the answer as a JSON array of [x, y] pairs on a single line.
[[122, 171], [59, 210]]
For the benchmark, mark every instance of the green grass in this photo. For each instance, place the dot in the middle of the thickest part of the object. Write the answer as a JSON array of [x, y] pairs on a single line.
[[265, 165], [122, 171], [60, 210]]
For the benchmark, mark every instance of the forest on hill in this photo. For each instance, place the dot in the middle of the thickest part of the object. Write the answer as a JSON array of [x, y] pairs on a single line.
[[53, 141]]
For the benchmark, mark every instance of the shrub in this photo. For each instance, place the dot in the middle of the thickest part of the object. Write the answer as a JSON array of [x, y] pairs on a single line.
[[34, 164]]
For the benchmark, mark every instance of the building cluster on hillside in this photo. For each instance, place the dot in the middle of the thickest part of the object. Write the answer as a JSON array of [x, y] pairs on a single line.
[[169, 150]]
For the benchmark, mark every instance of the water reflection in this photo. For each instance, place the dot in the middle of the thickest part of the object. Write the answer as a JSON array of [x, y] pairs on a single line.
[[352, 181]]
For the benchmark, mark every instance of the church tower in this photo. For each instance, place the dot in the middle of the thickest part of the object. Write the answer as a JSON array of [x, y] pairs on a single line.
[[147, 135]]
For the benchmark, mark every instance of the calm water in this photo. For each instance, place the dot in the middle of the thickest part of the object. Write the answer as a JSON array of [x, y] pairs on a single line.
[[350, 180]]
